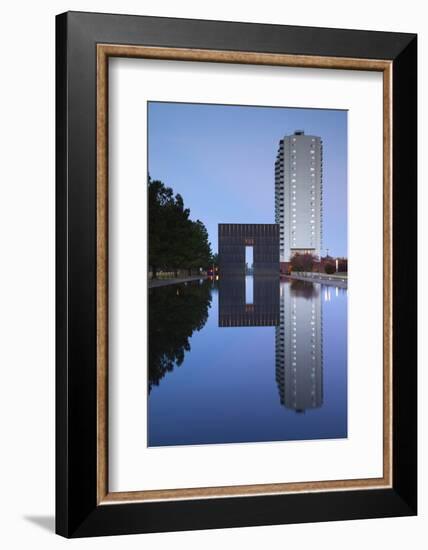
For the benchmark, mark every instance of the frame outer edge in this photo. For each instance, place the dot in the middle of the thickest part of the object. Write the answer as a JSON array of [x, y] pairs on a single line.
[[405, 274], [61, 268], [102, 520]]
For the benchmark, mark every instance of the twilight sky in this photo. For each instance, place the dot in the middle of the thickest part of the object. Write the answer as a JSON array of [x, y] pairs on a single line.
[[221, 159]]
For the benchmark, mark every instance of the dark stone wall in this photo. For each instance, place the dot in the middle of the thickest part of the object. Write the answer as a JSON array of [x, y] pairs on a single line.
[[234, 237]]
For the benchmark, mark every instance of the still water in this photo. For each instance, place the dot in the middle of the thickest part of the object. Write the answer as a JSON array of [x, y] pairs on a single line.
[[247, 360]]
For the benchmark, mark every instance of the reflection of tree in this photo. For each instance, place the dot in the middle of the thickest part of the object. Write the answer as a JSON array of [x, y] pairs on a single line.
[[305, 289], [175, 312]]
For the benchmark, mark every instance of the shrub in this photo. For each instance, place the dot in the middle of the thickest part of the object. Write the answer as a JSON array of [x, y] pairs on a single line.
[[302, 262], [329, 269]]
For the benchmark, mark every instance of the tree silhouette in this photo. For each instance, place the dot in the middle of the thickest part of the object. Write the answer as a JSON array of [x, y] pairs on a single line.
[[329, 268], [175, 241], [302, 262], [175, 313]]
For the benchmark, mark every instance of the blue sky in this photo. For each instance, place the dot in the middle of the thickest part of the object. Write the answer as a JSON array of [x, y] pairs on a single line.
[[221, 159]]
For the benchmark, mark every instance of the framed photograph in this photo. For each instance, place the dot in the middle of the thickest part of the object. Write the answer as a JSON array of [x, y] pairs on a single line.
[[236, 274]]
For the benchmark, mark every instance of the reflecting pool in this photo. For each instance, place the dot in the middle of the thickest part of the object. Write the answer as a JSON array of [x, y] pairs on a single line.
[[246, 359]]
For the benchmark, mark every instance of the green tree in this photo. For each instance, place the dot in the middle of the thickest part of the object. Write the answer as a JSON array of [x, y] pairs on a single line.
[[198, 247], [161, 204], [214, 260], [175, 241], [302, 262]]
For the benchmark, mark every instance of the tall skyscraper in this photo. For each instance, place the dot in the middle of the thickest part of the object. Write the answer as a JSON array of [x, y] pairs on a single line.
[[298, 195]]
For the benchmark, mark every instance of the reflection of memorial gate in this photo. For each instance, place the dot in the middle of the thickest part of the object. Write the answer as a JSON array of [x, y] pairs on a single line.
[[234, 237], [235, 312]]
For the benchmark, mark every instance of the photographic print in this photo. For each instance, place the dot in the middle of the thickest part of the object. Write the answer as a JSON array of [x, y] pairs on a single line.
[[248, 263]]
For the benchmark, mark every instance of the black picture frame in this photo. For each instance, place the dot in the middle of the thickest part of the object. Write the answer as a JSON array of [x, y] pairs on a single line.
[[77, 511]]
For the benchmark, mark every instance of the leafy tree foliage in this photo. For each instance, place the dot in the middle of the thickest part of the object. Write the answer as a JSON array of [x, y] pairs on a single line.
[[214, 260], [329, 269], [302, 262], [175, 241]]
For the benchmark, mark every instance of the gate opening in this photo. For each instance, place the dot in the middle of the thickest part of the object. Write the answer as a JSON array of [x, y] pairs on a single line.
[[249, 282]]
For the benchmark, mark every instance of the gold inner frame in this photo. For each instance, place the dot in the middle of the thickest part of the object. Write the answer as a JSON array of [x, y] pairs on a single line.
[[104, 51]]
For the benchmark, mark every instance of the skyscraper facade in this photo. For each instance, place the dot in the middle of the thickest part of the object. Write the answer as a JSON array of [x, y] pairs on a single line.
[[298, 195]]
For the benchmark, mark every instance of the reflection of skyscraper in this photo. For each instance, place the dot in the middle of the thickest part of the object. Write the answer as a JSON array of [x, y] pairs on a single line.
[[298, 341], [298, 195], [236, 311]]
